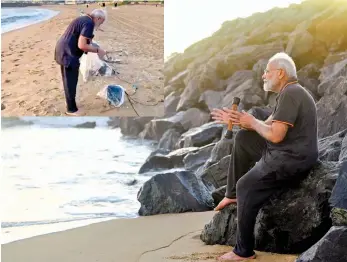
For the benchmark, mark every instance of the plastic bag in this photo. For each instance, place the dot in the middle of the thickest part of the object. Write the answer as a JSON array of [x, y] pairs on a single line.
[[92, 65], [114, 94]]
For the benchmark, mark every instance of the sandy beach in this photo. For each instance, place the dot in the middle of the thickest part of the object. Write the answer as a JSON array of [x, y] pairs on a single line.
[[31, 80], [173, 238]]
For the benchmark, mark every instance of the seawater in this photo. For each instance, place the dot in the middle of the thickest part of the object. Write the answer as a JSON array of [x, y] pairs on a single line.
[[15, 18], [54, 173]]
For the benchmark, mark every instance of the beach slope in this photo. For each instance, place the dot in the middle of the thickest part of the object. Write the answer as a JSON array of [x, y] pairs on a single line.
[[169, 237]]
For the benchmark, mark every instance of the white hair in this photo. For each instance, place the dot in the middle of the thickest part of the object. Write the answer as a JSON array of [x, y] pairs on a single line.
[[98, 13], [285, 62]]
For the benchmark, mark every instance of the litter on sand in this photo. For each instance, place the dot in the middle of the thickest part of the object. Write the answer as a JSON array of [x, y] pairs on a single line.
[[114, 94], [91, 65]]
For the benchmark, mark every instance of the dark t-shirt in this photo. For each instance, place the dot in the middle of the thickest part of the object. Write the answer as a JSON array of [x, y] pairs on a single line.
[[295, 107], [67, 52]]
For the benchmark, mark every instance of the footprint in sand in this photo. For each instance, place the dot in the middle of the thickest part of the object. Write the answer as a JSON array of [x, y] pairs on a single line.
[[22, 103], [16, 65], [7, 81], [15, 60]]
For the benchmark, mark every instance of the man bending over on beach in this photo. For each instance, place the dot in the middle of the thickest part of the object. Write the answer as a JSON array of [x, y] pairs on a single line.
[[70, 47], [268, 155]]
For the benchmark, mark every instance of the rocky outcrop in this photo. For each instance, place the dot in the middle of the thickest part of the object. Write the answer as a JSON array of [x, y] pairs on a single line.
[[330, 147], [113, 122], [175, 192], [182, 121], [169, 139], [132, 126], [162, 159], [220, 150], [332, 247], [192, 161], [86, 125], [291, 222], [200, 136], [338, 199], [343, 152], [215, 175], [170, 104]]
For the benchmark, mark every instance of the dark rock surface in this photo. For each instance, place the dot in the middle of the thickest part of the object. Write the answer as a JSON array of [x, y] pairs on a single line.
[[332, 247], [175, 192], [161, 159]]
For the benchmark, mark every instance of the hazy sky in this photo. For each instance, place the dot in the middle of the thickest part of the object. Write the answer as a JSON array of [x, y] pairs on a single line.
[[188, 21]]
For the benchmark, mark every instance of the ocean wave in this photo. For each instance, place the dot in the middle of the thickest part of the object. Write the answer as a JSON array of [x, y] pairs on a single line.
[[10, 122], [15, 18], [12, 19], [86, 216]]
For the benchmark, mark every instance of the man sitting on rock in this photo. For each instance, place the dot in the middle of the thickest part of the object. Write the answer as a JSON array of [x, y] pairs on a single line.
[[268, 155]]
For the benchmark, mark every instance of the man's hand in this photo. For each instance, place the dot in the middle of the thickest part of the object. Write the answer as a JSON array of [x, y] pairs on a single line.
[[101, 53], [243, 119], [220, 116]]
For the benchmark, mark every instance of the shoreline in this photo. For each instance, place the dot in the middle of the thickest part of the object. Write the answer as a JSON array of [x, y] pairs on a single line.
[[141, 239], [33, 22], [26, 232], [31, 80]]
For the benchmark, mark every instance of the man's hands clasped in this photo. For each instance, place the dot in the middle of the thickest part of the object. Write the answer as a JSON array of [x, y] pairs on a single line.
[[242, 119]]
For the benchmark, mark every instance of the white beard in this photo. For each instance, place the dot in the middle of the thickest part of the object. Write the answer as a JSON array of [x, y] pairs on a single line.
[[268, 85]]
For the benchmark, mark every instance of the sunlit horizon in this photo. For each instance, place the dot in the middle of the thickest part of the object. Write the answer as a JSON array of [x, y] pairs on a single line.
[[189, 21]]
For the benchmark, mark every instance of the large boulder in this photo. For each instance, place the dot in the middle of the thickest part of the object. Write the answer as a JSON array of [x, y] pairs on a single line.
[[132, 126], [218, 194], [175, 192], [220, 150], [238, 78], [291, 222], [170, 104], [332, 114], [190, 96], [192, 161], [86, 125], [343, 152], [308, 78], [338, 198], [113, 122], [331, 247], [176, 83], [156, 128], [215, 175], [169, 139], [211, 99], [200, 136], [332, 107], [163, 159], [330, 147], [182, 121], [250, 93]]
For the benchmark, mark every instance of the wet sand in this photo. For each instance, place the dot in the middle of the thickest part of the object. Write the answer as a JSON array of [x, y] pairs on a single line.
[[172, 238]]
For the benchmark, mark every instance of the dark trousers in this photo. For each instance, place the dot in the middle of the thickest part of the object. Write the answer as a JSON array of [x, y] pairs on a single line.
[[252, 182], [70, 79]]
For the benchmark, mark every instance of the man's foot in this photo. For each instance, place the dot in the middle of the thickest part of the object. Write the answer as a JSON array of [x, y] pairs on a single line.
[[225, 202], [231, 256], [77, 113]]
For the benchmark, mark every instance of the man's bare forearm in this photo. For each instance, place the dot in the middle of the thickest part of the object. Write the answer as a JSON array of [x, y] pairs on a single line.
[[263, 129]]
